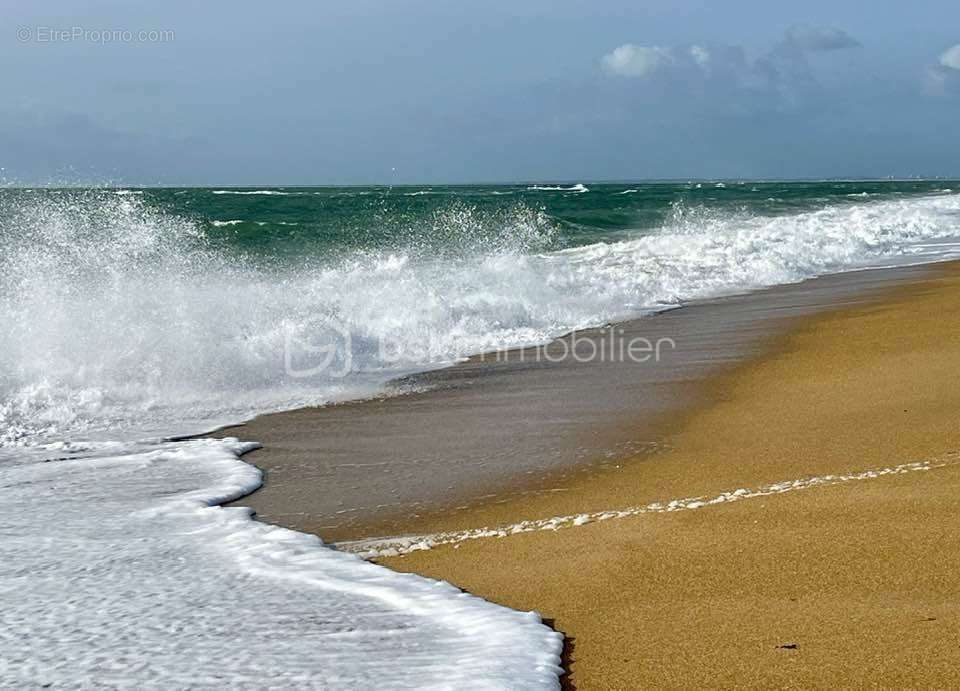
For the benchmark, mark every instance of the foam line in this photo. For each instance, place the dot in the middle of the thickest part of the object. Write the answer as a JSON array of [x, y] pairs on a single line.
[[394, 546]]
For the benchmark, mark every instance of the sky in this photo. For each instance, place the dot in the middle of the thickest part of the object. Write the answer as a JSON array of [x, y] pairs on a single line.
[[416, 91]]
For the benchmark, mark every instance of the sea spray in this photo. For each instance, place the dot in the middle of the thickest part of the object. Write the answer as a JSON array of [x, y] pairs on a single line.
[[123, 312]]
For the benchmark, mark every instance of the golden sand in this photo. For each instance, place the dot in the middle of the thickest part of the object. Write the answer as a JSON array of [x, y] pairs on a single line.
[[853, 584]]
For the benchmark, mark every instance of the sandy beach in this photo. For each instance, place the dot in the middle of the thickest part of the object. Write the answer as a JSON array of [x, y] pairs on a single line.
[[850, 584], [816, 441]]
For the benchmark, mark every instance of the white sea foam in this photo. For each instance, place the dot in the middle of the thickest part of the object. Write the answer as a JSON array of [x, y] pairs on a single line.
[[232, 222], [579, 188], [117, 569], [394, 546], [257, 192]]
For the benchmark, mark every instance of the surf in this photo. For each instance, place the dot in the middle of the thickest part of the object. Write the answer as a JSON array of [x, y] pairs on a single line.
[[120, 314]]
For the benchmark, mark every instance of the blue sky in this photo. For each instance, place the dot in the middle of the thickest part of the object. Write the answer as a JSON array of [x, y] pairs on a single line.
[[447, 91]]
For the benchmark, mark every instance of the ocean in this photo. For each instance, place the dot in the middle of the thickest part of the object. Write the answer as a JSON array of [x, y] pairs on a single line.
[[133, 317]]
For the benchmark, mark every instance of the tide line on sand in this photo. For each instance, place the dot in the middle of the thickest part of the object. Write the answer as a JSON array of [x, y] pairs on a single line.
[[395, 546]]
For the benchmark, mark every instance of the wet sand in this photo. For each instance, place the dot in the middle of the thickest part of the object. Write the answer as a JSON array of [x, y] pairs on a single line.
[[851, 584], [527, 425]]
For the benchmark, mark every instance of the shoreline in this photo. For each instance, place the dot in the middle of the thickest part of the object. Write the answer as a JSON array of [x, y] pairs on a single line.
[[850, 583], [515, 428]]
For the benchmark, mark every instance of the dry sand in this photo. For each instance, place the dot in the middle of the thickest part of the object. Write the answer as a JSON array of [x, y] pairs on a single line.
[[849, 585]]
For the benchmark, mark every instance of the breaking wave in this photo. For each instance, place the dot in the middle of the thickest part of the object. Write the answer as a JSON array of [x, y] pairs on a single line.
[[120, 314]]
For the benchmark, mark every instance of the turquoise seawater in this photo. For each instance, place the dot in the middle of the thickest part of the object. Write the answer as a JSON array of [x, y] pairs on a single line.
[[287, 221]]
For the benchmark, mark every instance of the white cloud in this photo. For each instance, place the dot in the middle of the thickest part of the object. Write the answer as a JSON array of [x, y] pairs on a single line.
[[943, 78], [785, 62], [700, 55], [781, 78], [951, 57], [630, 60]]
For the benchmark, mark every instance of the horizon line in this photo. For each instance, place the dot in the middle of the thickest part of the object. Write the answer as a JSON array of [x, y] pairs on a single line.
[[514, 183]]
